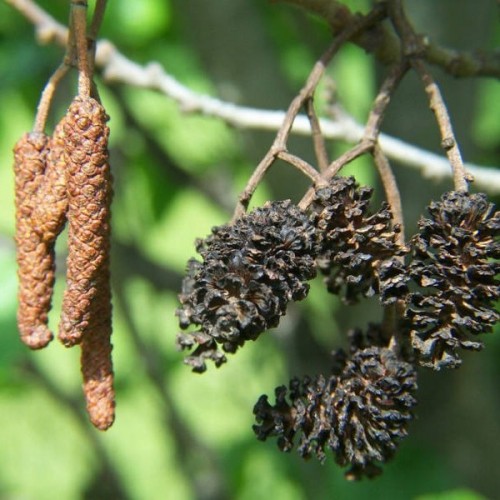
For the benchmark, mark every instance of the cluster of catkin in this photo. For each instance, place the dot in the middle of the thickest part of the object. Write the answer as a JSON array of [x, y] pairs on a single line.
[[59, 179]]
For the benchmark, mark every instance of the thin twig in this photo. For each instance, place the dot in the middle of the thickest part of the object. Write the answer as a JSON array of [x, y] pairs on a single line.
[[391, 190], [304, 167], [253, 182], [372, 133], [93, 31], [47, 97], [412, 44], [377, 113], [414, 48], [372, 129], [317, 136], [315, 76], [50, 88], [79, 17], [279, 143], [97, 18], [399, 342], [448, 141]]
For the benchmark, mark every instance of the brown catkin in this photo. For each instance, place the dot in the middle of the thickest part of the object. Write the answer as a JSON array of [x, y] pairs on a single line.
[[88, 182], [97, 368], [86, 309], [34, 257], [51, 201]]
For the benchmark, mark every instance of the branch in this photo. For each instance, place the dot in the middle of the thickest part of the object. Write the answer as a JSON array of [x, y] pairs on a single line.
[[413, 47], [48, 30], [349, 156], [317, 136], [391, 191], [385, 46], [117, 68], [369, 140], [79, 23]]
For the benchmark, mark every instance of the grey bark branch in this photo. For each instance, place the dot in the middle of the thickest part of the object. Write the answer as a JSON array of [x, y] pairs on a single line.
[[116, 67]]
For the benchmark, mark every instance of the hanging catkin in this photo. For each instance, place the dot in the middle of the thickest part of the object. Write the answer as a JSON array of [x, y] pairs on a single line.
[[88, 183], [35, 264], [86, 309], [40, 215], [51, 201], [97, 368]]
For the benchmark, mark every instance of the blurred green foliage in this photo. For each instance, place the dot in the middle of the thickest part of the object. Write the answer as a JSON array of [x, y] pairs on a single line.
[[179, 435]]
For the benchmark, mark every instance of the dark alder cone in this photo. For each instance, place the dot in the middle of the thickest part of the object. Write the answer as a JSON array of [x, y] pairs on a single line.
[[360, 414], [88, 181], [455, 263], [359, 253], [374, 402], [250, 271], [41, 204], [309, 412]]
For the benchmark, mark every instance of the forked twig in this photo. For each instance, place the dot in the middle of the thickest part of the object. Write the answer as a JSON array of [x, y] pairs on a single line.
[[372, 131], [76, 49], [306, 93], [303, 166], [355, 152]]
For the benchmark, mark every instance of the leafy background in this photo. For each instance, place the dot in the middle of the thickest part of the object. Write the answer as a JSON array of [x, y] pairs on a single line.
[[183, 436]]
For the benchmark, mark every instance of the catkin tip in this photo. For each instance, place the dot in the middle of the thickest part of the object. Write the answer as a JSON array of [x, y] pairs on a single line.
[[37, 338]]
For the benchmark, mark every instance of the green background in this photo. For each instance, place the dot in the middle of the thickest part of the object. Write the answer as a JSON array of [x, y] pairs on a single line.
[[179, 435]]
